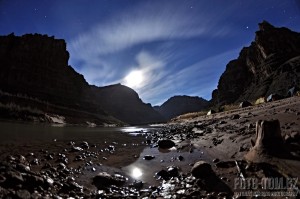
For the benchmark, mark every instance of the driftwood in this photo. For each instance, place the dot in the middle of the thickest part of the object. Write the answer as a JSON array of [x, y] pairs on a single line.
[[268, 141]]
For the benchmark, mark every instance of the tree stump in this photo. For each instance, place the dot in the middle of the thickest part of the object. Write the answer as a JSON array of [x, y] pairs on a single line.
[[268, 141]]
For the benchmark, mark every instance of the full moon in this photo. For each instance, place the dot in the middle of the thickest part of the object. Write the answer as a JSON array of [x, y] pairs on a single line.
[[134, 79]]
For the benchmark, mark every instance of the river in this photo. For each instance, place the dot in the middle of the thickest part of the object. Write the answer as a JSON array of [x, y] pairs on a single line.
[[23, 138], [28, 132]]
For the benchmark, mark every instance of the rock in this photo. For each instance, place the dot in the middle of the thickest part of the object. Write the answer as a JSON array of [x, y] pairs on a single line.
[[35, 161], [148, 157], [104, 179], [49, 157], [173, 171], [23, 167], [23, 194], [138, 184], [84, 145], [242, 149], [180, 158], [111, 147], [295, 136], [225, 164], [10, 158], [49, 182], [2, 179], [163, 174], [216, 160], [34, 181], [76, 149], [166, 144], [245, 104], [21, 159], [14, 178], [201, 169], [235, 116], [268, 141], [61, 166]]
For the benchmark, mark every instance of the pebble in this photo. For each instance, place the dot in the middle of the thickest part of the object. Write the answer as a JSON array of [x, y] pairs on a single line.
[[148, 157]]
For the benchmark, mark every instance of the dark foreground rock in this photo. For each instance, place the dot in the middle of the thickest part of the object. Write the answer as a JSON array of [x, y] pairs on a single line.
[[166, 144]]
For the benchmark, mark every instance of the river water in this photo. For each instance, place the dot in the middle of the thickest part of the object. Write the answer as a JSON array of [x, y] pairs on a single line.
[[26, 132], [140, 169]]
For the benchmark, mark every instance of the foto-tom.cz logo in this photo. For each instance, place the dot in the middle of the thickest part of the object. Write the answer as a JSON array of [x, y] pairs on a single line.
[[265, 183], [271, 187]]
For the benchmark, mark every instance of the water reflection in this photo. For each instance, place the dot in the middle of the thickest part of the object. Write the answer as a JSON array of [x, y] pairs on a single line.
[[163, 159], [136, 172], [133, 129], [167, 150]]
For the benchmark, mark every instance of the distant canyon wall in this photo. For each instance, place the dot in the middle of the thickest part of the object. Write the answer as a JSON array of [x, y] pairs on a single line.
[[271, 64]]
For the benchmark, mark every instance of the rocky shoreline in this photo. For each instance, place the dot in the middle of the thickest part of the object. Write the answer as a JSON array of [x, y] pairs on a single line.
[[206, 160]]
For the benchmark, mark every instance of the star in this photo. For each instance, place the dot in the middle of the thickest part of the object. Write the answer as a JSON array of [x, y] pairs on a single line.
[[247, 27]]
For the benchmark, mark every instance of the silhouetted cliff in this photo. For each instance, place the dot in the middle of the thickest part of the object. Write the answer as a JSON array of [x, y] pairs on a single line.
[[271, 64], [179, 105], [125, 104], [34, 72], [38, 65]]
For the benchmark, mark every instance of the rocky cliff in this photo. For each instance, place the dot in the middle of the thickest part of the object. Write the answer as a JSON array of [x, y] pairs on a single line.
[[125, 104], [34, 72], [179, 105], [271, 64]]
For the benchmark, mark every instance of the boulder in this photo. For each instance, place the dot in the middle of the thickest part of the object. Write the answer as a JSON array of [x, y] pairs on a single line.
[[245, 104], [165, 144], [201, 169], [148, 157], [103, 179]]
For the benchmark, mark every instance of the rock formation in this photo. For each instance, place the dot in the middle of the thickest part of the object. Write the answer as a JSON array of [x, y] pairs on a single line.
[[34, 72], [37, 65], [268, 141], [269, 65], [179, 105], [125, 104]]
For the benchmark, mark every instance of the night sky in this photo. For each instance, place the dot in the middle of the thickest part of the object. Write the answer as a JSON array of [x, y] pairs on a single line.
[[159, 48]]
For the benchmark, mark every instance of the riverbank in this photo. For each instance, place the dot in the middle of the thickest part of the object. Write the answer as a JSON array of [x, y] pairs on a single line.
[[105, 168]]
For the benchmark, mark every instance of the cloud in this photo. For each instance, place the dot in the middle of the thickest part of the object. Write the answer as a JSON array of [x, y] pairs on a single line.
[[141, 24], [198, 79], [151, 69], [146, 23], [133, 33]]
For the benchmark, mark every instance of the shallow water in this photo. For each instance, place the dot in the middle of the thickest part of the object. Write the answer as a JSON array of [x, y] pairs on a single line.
[[144, 170], [25, 132]]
